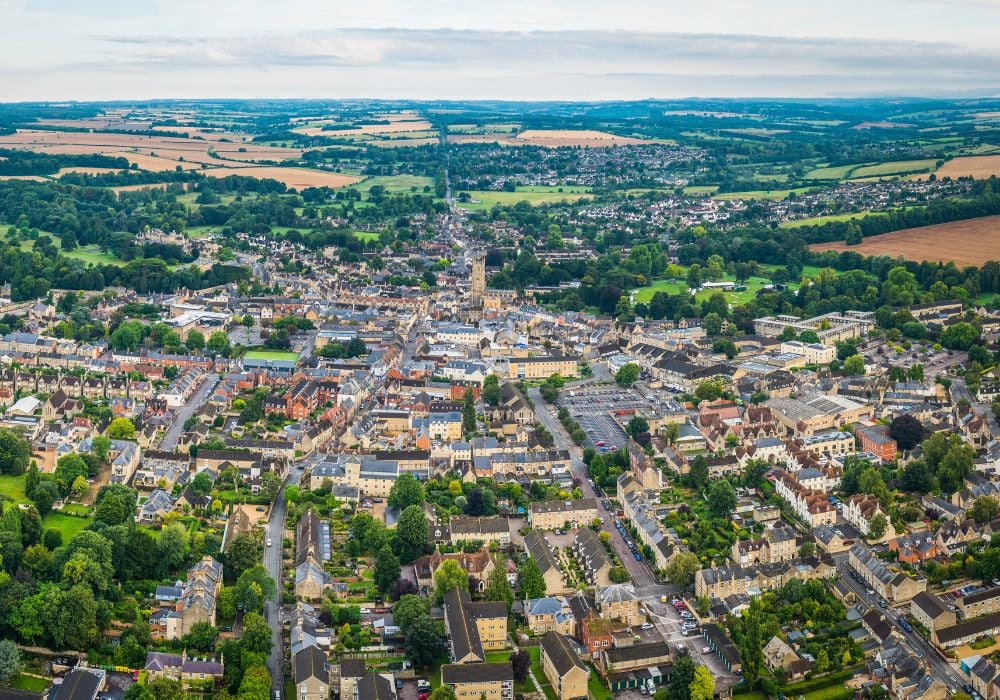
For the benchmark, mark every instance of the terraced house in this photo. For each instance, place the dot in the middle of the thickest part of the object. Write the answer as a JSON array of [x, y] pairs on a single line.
[[894, 586], [562, 667], [197, 602]]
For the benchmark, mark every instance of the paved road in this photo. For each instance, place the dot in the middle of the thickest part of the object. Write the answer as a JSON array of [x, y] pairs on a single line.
[[274, 531], [637, 570], [192, 406], [939, 668]]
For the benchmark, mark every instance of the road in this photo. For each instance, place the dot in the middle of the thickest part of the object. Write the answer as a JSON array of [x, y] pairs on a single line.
[[644, 581], [192, 406], [275, 531], [960, 390], [939, 668]]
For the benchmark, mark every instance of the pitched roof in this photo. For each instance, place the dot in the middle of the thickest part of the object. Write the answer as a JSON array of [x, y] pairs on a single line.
[[559, 652], [311, 663], [477, 673]]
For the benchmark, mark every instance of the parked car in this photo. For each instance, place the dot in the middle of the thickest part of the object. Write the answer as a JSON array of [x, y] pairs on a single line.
[[646, 626], [638, 557]]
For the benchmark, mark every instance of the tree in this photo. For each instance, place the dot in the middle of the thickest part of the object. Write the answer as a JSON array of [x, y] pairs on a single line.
[[256, 683], [270, 484], [637, 426], [721, 499], [751, 643], [68, 468], [252, 588], [406, 491], [985, 509], [10, 661], [492, 394], [498, 585], [521, 661], [450, 576], [202, 637], [243, 552], [698, 473], [411, 533], [201, 484], [121, 428], [195, 340], [854, 365], [532, 581], [877, 526], [681, 677], [806, 549], [403, 586], [916, 477], [822, 661], [15, 453], [960, 336], [469, 413], [423, 643], [854, 235], [409, 609], [682, 568], [442, 692], [906, 431], [619, 574], [627, 374], [79, 487], [218, 343], [709, 390], [387, 569], [256, 637], [702, 685]]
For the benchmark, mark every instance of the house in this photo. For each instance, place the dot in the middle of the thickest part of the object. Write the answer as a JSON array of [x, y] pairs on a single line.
[[894, 586], [562, 667], [492, 681], [156, 507], [984, 602], [197, 602], [473, 529], [189, 671], [539, 550], [927, 609], [312, 675], [876, 440], [861, 509], [591, 553], [552, 515], [351, 671], [375, 686], [80, 684], [778, 654], [473, 628], [548, 615], [966, 631], [619, 602]]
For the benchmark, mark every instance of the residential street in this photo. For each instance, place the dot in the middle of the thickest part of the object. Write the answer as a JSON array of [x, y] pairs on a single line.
[[938, 666], [272, 562], [639, 572], [194, 404]]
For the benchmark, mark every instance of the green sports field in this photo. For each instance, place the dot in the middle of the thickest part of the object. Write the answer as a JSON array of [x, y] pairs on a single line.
[[271, 355]]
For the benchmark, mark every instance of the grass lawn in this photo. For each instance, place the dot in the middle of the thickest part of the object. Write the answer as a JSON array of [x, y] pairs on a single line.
[[75, 509], [196, 232], [93, 255], [68, 525], [597, 689], [26, 682], [752, 695], [835, 173], [829, 688], [536, 668], [701, 189], [366, 236], [532, 195], [13, 487], [271, 355]]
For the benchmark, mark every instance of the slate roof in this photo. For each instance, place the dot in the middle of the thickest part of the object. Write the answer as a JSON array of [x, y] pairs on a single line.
[[561, 654]]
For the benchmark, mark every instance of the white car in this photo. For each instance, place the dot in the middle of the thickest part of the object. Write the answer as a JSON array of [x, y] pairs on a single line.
[[690, 625], [647, 626], [705, 650], [268, 543], [366, 611]]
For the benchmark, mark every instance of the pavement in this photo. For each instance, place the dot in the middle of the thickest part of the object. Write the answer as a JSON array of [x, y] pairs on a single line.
[[640, 573], [275, 530], [197, 400], [939, 668]]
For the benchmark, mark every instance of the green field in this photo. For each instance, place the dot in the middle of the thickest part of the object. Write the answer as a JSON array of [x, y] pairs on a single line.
[[88, 254], [396, 183], [898, 167], [366, 236], [838, 172], [270, 355], [196, 232], [820, 220], [700, 189], [753, 285], [13, 487], [68, 525], [760, 194], [532, 195]]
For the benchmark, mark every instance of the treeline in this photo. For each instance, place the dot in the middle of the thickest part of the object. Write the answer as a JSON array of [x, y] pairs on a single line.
[[16, 162]]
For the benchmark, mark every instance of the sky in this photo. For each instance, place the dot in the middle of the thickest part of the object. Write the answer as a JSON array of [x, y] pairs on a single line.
[[496, 49]]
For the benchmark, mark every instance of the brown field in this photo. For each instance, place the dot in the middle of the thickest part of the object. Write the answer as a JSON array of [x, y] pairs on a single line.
[[550, 138], [401, 143], [987, 115], [202, 133], [137, 148], [976, 166], [32, 178], [399, 124], [969, 242], [292, 177]]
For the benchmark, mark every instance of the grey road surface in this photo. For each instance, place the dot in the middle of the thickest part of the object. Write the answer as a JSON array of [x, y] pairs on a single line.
[[194, 404]]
